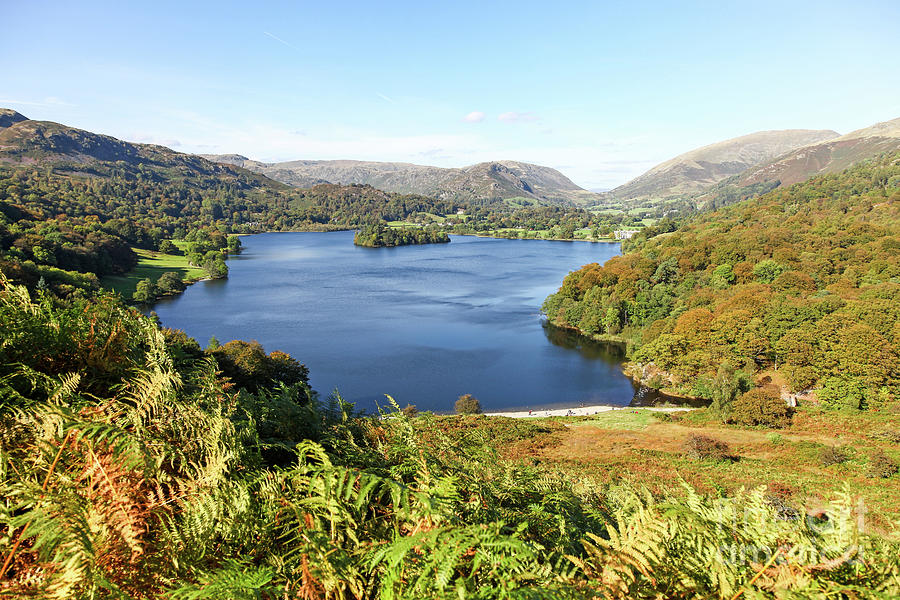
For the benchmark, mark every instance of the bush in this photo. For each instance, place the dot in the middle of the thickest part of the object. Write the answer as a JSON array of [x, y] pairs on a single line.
[[410, 410], [881, 466], [888, 435], [468, 405], [761, 406], [833, 456], [703, 447]]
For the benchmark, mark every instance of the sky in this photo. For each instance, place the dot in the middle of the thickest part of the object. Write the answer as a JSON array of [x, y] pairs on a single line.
[[601, 91]]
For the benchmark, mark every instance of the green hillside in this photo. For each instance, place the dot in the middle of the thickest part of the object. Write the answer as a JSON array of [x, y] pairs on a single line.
[[802, 283]]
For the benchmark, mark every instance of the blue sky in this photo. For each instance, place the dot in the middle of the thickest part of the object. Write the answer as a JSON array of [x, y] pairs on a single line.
[[601, 91]]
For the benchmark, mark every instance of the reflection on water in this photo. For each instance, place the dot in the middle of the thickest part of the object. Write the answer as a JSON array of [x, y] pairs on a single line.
[[612, 353]]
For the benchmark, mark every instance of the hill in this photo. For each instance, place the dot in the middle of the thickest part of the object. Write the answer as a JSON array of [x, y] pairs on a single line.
[[480, 183], [25, 143], [799, 165], [697, 170], [803, 281], [826, 157]]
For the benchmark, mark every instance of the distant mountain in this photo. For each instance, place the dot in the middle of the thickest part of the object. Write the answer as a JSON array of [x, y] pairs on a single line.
[[697, 170], [483, 182], [829, 156]]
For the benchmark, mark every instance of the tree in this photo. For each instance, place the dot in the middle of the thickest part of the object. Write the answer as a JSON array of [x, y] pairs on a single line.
[[761, 406], [468, 405], [169, 283], [145, 292], [727, 386], [168, 247], [768, 270], [722, 276], [843, 393], [216, 268]]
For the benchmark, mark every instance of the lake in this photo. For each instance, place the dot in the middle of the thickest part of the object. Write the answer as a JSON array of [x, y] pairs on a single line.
[[424, 324]]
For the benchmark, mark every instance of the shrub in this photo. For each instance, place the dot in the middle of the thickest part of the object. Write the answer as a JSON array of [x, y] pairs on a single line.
[[887, 435], [775, 439], [761, 406], [702, 447], [833, 456], [881, 466], [656, 382], [468, 405], [410, 410]]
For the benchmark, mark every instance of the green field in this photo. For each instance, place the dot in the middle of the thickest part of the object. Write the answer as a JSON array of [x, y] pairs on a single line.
[[150, 266]]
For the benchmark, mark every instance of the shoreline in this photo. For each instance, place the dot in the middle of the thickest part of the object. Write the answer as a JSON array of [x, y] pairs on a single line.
[[582, 411]]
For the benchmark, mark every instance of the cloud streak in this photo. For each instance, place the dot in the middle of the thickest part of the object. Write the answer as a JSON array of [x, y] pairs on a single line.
[[476, 116], [281, 41], [49, 101]]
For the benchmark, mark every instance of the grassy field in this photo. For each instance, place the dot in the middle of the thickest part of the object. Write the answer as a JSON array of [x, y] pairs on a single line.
[[647, 449], [150, 266]]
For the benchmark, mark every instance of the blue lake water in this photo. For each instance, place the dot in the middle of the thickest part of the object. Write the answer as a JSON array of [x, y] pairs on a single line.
[[424, 324]]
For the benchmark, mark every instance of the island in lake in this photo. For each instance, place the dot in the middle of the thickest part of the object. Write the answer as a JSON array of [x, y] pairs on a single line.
[[383, 236]]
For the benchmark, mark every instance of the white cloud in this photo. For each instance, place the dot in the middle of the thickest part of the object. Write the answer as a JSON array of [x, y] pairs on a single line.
[[385, 98], [476, 116], [517, 117]]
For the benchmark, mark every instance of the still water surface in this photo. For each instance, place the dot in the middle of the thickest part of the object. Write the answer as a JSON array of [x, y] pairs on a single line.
[[421, 323]]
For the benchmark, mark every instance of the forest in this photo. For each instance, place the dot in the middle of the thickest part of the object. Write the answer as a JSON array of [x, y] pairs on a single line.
[[803, 282], [382, 236]]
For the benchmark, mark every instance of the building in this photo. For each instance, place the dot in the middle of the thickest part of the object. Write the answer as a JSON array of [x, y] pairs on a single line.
[[625, 234]]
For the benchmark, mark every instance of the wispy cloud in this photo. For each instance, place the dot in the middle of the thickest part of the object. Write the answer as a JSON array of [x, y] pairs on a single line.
[[517, 117], [385, 98], [278, 39], [476, 116], [48, 101], [146, 138]]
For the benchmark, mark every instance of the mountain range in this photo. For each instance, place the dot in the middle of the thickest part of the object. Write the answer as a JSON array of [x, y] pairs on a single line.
[[713, 175], [827, 156], [749, 165], [697, 170], [482, 182]]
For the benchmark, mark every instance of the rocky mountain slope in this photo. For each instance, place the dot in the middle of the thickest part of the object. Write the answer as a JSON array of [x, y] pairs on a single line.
[[697, 170], [482, 182]]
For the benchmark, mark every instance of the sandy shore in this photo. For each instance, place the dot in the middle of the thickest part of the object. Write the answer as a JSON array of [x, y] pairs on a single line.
[[581, 411]]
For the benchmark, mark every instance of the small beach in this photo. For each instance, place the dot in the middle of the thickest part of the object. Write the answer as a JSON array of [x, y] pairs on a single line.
[[582, 411]]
